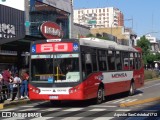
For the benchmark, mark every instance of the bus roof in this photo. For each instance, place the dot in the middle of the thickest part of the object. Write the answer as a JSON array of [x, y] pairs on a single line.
[[107, 44]]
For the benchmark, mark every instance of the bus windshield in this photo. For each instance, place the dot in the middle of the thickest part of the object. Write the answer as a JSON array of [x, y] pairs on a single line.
[[63, 68]]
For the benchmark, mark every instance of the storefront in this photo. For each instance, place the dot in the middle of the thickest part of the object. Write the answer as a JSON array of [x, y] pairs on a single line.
[[12, 29]]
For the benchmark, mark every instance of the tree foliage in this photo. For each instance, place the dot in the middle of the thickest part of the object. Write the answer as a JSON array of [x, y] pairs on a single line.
[[144, 44], [148, 57]]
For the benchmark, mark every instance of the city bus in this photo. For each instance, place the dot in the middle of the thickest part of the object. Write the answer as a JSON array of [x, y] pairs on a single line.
[[83, 69]]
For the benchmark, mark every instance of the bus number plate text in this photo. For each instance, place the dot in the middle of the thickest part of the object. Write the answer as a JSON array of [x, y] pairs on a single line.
[[53, 97]]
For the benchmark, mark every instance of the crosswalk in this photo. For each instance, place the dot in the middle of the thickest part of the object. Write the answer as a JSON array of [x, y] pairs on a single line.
[[122, 101], [92, 112], [104, 111]]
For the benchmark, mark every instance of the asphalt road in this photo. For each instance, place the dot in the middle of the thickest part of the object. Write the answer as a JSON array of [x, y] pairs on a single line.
[[86, 110]]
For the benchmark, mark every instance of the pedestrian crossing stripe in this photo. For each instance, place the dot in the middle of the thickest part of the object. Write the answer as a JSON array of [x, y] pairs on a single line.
[[97, 109]]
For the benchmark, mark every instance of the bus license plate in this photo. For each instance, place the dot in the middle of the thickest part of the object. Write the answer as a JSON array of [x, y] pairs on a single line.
[[53, 97]]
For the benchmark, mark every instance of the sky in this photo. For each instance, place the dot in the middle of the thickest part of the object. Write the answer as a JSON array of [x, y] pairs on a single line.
[[145, 13], [18, 4]]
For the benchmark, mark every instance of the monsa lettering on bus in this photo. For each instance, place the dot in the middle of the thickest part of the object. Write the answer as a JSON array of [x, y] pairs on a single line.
[[119, 75]]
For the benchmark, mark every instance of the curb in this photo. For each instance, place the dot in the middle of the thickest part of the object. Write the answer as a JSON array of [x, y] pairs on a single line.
[[139, 102], [14, 103]]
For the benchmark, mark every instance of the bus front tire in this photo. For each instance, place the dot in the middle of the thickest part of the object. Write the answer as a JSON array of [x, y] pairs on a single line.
[[132, 89], [100, 95]]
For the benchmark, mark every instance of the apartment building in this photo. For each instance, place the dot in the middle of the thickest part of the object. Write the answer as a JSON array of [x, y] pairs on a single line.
[[99, 17]]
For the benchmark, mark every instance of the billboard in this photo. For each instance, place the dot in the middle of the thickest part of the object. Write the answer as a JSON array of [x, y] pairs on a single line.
[[64, 5]]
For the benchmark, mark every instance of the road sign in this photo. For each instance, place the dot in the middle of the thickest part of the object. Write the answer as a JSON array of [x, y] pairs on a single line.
[[92, 22]]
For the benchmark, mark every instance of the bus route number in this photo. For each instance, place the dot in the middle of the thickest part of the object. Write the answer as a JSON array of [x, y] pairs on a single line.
[[61, 47]]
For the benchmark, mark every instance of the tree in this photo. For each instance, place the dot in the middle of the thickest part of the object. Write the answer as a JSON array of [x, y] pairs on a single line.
[[144, 44], [148, 57]]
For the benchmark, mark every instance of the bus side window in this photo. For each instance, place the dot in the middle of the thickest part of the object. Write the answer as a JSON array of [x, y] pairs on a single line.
[[126, 63], [88, 69], [111, 60]]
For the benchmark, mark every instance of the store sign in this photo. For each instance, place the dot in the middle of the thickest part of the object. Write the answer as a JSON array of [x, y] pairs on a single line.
[[7, 30], [51, 30]]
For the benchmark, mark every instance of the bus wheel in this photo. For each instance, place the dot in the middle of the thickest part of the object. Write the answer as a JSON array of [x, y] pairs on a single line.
[[100, 95], [132, 89], [55, 102]]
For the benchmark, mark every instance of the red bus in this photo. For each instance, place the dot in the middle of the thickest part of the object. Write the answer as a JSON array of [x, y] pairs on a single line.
[[81, 69]]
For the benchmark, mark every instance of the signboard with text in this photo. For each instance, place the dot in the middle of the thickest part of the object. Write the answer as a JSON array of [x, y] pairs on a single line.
[[51, 30], [55, 47], [11, 24]]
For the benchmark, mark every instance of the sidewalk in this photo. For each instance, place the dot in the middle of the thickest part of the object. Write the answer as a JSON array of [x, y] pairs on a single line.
[[8, 103]]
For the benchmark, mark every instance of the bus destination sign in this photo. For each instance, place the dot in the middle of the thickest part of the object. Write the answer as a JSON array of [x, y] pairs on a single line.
[[55, 47]]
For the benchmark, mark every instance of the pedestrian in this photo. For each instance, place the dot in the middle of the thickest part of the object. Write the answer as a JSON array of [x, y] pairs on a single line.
[[1, 83], [16, 82], [24, 85], [6, 86]]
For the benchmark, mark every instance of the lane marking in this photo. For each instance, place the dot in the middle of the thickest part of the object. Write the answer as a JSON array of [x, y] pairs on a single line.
[[103, 118], [123, 110], [72, 118], [73, 109], [96, 109], [102, 106], [118, 101]]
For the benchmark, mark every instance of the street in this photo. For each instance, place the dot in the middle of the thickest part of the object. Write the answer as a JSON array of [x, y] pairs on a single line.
[[86, 110]]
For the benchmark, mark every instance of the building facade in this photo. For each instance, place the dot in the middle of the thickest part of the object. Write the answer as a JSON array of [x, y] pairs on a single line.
[[121, 33], [11, 29], [58, 12], [80, 31], [99, 17]]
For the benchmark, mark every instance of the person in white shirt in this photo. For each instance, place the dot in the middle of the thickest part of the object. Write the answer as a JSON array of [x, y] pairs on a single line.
[[16, 83]]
